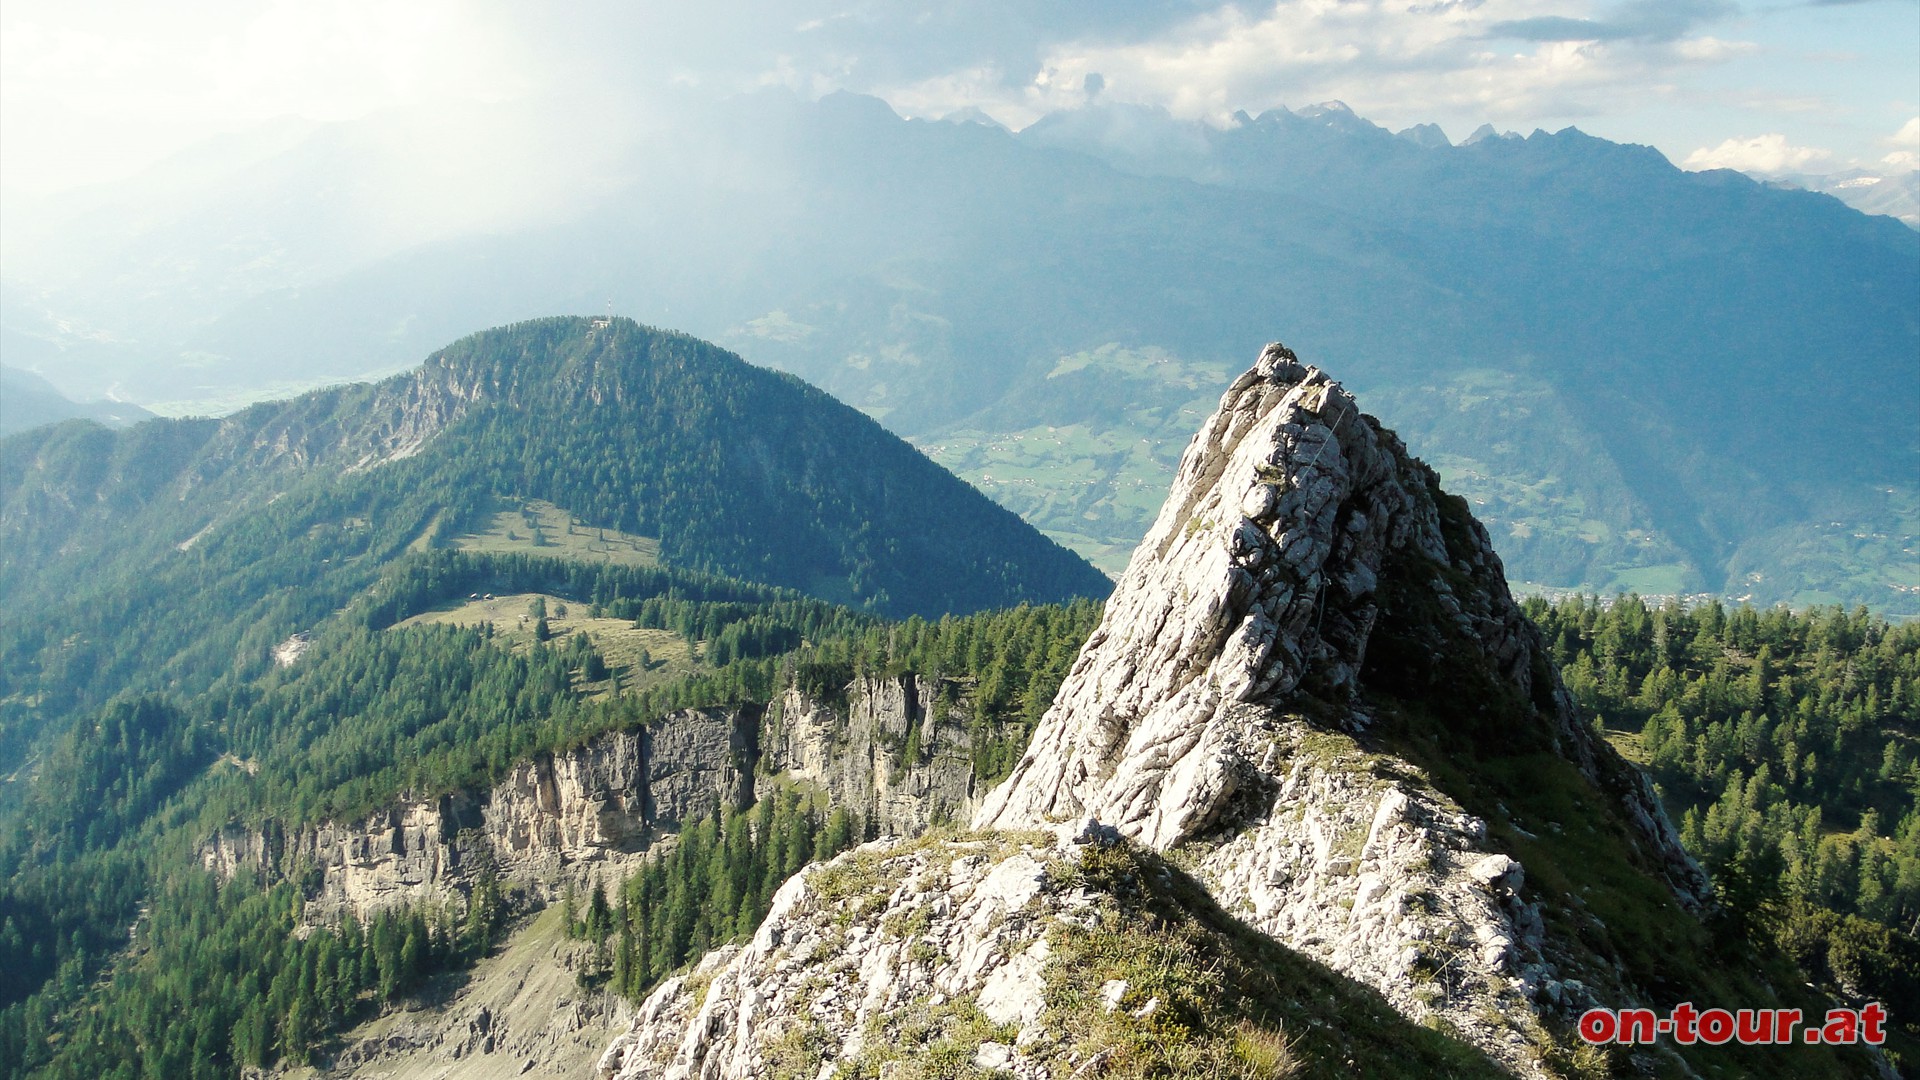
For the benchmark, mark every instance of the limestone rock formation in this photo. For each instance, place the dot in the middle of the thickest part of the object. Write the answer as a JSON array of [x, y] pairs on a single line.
[[1028, 955], [601, 807], [1212, 706], [859, 752], [552, 818], [963, 920], [1261, 577]]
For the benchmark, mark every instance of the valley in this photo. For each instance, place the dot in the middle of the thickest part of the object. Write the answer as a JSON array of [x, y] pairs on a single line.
[[500, 710]]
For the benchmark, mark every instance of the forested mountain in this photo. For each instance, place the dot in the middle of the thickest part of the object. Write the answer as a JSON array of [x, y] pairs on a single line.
[[243, 623], [275, 517], [380, 605], [114, 821], [1643, 377]]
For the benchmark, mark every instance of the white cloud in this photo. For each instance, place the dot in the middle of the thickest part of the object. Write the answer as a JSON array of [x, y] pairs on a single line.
[[1393, 62], [1768, 153], [1712, 49], [1906, 143]]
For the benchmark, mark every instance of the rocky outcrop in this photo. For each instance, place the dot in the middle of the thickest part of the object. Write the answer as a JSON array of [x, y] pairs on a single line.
[[623, 790], [1260, 574], [1028, 955], [961, 921], [897, 752], [893, 750], [1214, 708], [554, 818]]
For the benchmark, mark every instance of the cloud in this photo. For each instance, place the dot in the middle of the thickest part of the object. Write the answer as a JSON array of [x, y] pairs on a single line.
[[222, 64], [1558, 28], [1768, 153], [1906, 142], [1391, 61], [1649, 20]]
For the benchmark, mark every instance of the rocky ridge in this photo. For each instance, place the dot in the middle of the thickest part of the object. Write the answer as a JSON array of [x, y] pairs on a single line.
[[1030, 955], [1304, 574], [1237, 642]]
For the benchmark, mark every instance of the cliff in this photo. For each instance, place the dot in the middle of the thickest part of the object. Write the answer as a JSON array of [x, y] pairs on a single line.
[[595, 808], [891, 750], [895, 753]]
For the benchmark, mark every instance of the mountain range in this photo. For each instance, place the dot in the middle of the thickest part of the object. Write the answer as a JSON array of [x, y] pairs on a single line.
[[1643, 378]]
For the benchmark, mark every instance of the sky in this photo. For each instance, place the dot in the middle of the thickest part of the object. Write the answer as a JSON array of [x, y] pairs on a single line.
[[96, 90]]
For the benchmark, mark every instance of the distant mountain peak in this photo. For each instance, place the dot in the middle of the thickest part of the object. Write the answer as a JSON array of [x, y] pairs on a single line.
[[1337, 115], [1487, 131], [28, 400], [972, 114], [1428, 135]]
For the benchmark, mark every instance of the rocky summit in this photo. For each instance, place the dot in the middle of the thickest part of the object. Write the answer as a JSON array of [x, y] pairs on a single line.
[[1306, 604], [1241, 629]]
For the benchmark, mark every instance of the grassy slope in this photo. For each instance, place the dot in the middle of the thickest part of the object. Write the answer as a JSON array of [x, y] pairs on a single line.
[[667, 655], [537, 527]]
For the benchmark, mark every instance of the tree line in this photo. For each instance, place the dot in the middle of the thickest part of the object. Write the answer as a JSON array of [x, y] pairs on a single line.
[[1784, 744]]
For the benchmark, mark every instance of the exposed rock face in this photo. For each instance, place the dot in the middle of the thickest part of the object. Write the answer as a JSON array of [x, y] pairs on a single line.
[[1029, 955], [955, 925], [1251, 606], [1261, 570], [859, 754], [601, 806], [550, 819]]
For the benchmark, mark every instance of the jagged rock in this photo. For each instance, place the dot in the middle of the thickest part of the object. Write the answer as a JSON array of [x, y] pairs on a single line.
[[948, 927], [1026, 953], [1212, 705]]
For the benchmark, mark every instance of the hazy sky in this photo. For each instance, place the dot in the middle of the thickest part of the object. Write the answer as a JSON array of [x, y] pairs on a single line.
[[95, 89]]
